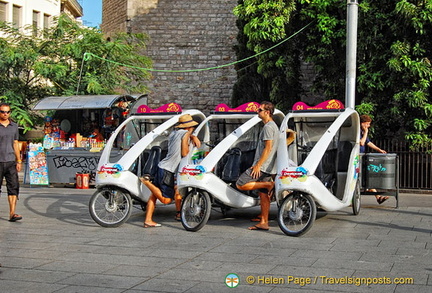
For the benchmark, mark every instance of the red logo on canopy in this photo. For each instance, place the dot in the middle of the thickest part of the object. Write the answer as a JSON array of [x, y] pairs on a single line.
[[247, 107], [327, 105], [167, 108]]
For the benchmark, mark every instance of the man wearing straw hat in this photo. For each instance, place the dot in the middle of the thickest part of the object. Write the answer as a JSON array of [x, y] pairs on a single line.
[[163, 186]]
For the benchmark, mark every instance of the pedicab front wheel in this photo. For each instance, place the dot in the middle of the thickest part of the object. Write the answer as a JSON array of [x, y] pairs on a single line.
[[356, 200], [296, 214], [110, 207], [195, 210]]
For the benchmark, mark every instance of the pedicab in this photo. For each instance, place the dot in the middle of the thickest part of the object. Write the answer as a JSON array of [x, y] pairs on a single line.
[[140, 142], [320, 169], [207, 176]]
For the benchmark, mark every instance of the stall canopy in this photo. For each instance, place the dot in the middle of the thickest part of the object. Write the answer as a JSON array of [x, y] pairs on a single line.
[[81, 102]]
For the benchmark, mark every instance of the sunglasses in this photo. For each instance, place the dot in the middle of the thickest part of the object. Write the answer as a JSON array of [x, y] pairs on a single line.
[[5, 112], [260, 110]]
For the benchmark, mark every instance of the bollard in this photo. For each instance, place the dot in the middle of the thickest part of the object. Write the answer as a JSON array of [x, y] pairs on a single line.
[[79, 181], [85, 181]]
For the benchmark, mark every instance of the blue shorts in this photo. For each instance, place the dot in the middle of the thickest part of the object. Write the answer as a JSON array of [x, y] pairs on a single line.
[[9, 172], [165, 181]]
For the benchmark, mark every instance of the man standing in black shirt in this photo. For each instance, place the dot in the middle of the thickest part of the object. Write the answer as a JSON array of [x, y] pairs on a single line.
[[10, 159]]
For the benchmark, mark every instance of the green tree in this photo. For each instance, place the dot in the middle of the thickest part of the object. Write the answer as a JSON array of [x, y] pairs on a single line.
[[393, 58], [262, 24], [32, 68]]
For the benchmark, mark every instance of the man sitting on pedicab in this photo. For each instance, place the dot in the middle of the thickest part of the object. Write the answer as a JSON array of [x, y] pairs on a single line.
[[260, 175]]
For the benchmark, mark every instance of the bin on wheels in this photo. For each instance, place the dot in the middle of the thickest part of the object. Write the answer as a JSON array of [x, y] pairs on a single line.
[[380, 171]]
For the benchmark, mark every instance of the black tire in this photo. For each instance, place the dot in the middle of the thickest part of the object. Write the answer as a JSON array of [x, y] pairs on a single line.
[[195, 210], [110, 207], [296, 214], [356, 200], [225, 210]]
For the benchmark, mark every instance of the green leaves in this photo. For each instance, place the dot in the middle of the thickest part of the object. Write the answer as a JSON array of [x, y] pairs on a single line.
[[421, 124], [52, 64], [19, 114], [262, 24], [418, 139], [394, 49], [366, 109], [418, 15], [265, 20]]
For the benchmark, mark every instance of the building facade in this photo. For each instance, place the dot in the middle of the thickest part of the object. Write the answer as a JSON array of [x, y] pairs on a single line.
[[190, 42], [72, 8], [36, 14]]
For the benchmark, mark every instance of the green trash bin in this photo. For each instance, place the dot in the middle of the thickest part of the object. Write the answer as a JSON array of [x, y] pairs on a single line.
[[381, 171]]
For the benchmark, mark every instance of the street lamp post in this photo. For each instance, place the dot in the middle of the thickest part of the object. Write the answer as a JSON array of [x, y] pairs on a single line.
[[351, 53]]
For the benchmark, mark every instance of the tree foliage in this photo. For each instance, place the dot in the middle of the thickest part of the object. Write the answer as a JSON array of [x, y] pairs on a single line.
[[393, 58], [52, 63], [262, 24]]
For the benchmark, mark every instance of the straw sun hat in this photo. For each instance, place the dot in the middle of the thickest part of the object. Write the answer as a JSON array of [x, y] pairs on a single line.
[[186, 121]]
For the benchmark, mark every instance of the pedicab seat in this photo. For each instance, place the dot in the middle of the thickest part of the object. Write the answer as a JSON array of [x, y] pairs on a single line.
[[150, 166], [247, 155], [233, 164], [345, 148], [344, 153], [231, 169], [326, 169]]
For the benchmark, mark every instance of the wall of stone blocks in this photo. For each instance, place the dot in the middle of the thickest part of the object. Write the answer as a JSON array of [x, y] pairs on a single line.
[[114, 16], [188, 35], [191, 35]]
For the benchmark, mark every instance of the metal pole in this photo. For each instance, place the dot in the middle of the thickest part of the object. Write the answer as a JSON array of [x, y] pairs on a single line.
[[351, 53]]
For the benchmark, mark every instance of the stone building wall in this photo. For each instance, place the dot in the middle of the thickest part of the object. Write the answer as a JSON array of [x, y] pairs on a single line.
[[114, 16], [191, 35]]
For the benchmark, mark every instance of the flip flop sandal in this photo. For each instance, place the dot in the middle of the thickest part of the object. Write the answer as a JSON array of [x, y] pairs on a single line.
[[255, 227], [15, 218], [152, 226], [382, 199]]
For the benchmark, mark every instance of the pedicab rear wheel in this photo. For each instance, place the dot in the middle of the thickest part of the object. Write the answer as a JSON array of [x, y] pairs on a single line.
[[195, 210], [356, 200], [110, 207], [296, 214]]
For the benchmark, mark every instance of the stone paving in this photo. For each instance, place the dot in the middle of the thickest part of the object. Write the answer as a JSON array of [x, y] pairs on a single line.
[[57, 247]]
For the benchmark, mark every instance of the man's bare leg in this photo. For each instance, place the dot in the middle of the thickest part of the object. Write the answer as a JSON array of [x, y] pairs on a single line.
[[265, 199], [148, 220], [12, 199], [257, 185], [265, 210], [156, 191]]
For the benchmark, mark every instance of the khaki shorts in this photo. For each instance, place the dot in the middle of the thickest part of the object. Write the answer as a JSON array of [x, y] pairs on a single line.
[[246, 177]]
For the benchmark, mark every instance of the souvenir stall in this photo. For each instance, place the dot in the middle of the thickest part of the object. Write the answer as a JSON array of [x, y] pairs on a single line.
[[76, 130]]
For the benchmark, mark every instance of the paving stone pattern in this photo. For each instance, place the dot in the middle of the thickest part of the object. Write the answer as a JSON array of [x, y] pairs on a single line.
[[57, 247]]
